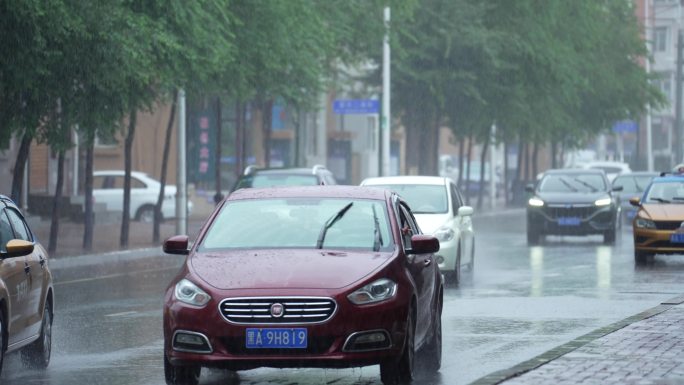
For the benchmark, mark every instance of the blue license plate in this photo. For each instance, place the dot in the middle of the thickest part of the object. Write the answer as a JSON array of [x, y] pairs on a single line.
[[569, 221], [276, 338], [677, 238]]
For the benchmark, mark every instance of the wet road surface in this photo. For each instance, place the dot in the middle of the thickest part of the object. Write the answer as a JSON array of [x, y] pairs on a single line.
[[518, 303]]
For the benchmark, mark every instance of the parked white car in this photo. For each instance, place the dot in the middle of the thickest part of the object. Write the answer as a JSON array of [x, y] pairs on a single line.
[[108, 189], [611, 168], [439, 210]]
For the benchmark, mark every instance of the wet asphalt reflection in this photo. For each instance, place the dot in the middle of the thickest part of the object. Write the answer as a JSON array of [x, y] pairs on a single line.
[[518, 302]]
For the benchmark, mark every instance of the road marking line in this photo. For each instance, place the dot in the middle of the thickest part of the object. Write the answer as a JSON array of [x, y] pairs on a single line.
[[123, 313]]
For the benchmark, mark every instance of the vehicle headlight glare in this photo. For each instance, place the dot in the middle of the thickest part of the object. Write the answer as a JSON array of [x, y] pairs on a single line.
[[535, 202], [189, 293], [644, 223], [602, 202], [444, 234], [380, 290]]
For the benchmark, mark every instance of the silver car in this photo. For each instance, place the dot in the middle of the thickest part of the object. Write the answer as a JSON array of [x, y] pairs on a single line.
[[439, 210]]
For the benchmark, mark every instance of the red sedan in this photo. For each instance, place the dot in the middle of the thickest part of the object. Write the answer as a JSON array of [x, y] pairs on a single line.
[[321, 276]]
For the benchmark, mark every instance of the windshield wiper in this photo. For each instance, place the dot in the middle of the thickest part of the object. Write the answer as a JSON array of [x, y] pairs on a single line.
[[377, 239], [661, 200], [585, 184], [331, 221], [567, 184]]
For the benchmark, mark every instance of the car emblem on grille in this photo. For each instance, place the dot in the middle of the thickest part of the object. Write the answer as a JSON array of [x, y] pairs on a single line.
[[277, 310]]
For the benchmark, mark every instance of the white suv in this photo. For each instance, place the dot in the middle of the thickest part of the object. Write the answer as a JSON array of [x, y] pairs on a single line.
[[439, 210], [108, 189]]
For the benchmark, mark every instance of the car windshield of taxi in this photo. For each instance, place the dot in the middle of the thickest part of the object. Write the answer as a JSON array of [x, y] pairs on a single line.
[[658, 222]]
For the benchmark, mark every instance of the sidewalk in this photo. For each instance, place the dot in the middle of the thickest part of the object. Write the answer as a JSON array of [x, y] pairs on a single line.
[[647, 348], [106, 236]]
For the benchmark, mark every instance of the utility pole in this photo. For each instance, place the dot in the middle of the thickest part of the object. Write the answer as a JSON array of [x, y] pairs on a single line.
[[385, 122], [649, 134], [181, 191], [678, 100]]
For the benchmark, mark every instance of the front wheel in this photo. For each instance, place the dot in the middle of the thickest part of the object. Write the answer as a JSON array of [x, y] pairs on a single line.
[[181, 375], [609, 236], [432, 352], [400, 370], [454, 276], [37, 355], [146, 214], [532, 236], [641, 257]]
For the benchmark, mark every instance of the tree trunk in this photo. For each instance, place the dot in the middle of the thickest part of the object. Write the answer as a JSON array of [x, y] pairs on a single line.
[[461, 149], [128, 146], [239, 164], [56, 204], [535, 158], [527, 162], [554, 154], [467, 179], [218, 197], [507, 192], [88, 219], [266, 127], [162, 177], [483, 159], [19, 167]]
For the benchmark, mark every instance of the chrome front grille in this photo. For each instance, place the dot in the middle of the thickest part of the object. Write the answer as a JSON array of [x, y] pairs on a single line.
[[582, 211], [264, 310]]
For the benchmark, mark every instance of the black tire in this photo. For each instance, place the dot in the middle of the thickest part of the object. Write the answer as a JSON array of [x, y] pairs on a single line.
[[532, 237], [431, 355], [609, 236], [454, 277], [400, 370], [145, 214], [641, 258], [181, 375], [3, 339], [37, 354]]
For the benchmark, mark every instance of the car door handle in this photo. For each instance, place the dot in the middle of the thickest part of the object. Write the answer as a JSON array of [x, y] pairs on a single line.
[[427, 261], [27, 269], [42, 261]]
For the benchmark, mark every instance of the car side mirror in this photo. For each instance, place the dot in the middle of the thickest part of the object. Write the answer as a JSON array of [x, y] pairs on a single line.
[[529, 187], [618, 188], [177, 244], [465, 211], [424, 244], [635, 201], [18, 248]]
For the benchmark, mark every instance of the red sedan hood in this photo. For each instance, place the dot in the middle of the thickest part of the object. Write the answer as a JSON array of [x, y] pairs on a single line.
[[292, 269]]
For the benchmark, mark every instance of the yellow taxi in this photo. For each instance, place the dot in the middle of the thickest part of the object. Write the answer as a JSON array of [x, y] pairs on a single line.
[[659, 222]]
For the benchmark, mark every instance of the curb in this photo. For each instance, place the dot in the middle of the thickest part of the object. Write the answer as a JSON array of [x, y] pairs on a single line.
[[544, 358]]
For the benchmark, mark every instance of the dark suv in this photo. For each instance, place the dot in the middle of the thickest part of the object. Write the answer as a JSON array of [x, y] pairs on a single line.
[[573, 202], [270, 177], [26, 293]]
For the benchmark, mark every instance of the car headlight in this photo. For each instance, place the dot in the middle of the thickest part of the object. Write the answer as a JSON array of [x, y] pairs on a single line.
[[644, 223], [444, 234], [535, 202], [380, 290], [189, 293], [603, 202]]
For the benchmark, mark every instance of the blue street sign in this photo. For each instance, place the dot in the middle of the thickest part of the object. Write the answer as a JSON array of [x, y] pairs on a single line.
[[356, 106], [625, 126]]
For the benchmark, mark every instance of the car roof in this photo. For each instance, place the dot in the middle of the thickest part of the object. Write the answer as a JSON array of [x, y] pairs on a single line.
[[334, 191], [669, 178], [119, 172], [638, 173], [574, 171], [606, 163], [405, 179]]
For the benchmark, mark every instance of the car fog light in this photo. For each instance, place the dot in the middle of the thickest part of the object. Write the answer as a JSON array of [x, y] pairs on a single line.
[[186, 341], [368, 340]]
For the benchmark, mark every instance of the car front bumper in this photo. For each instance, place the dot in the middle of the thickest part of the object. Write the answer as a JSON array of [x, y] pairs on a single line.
[[656, 241], [328, 344], [560, 220], [448, 251]]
